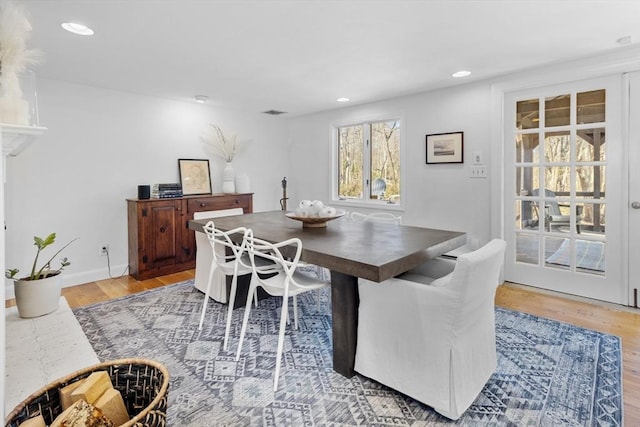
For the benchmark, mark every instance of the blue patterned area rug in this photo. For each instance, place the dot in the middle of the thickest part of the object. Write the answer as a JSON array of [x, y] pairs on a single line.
[[549, 373]]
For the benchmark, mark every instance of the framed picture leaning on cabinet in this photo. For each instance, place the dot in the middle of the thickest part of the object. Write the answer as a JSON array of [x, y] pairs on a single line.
[[195, 176]]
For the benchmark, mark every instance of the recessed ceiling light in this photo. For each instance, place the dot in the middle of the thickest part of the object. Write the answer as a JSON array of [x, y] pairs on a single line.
[[76, 28], [202, 99], [342, 99], [461, 73]]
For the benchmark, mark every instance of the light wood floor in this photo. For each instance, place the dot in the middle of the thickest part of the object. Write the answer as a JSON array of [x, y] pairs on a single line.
[[608, 318]]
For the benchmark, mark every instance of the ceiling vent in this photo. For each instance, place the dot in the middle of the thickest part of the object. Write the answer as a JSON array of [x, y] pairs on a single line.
[[274, 112]]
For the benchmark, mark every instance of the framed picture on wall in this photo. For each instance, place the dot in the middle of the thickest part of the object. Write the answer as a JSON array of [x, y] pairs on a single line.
[[444, 148], [195, 176]]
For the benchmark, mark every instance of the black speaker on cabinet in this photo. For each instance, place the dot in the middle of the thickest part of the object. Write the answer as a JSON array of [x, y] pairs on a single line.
[[144, 192]]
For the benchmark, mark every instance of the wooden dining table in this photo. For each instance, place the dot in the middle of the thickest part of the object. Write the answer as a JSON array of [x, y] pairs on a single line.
[[350, 250]]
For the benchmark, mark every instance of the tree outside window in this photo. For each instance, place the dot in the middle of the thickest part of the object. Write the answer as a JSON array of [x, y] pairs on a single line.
[[369, 161]]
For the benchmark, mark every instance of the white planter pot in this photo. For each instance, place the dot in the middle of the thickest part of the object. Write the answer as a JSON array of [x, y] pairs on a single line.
[[36, 298]]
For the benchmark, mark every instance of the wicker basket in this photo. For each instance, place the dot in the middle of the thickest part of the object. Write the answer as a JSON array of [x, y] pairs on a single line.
[[143, 383]]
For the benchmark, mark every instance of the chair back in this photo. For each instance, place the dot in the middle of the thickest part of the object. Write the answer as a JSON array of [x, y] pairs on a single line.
[[378, 187], [552, 206], [474, 280], [225, 250], [376, 217], [204, 253], [268, 258], [201, 238]]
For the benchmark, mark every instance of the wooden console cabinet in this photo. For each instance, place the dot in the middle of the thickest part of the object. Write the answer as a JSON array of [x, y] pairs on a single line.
[[160, 241]]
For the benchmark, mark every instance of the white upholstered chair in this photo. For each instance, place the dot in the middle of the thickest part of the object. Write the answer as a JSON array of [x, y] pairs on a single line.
[[287, 282], [433, 342], [387, 217], [204, 255]]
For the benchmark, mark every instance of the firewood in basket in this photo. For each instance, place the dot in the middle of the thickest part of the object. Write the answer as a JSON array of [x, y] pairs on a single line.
[[34, 422], [92, 387], [65, 394], [112, 405], [82, 414]]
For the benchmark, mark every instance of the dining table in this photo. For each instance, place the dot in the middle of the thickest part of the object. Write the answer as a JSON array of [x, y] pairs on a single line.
[[350, 250]]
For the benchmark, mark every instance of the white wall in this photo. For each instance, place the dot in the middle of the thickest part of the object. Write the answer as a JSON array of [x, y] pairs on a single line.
[[99, 146], [439, 196]]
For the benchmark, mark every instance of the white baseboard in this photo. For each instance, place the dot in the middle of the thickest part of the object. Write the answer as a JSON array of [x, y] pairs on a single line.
[[76, 278]]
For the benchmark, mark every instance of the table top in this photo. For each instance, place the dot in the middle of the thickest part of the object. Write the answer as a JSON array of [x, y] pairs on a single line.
[[372, 250]]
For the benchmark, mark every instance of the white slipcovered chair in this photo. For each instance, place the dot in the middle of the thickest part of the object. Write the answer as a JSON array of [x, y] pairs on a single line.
[[433, 342], [287, 282], [204, 257]]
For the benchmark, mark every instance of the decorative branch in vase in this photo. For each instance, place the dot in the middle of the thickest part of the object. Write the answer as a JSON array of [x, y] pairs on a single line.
[[218, 144], [225, 148]]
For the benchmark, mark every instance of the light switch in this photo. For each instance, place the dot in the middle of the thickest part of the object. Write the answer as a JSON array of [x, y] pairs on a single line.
[[478, 172], [477, 157]]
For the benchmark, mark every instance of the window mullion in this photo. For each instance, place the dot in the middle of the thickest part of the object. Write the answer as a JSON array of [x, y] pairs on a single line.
[[366, 160]]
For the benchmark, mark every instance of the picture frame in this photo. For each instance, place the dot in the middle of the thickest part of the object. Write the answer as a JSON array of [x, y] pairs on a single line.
[[445, 148], [195, 176]]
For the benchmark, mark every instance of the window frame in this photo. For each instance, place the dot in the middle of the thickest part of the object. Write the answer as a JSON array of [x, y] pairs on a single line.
[[366, 201]]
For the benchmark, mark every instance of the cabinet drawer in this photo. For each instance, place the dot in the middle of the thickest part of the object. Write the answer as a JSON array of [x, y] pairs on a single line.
[[220, 202]]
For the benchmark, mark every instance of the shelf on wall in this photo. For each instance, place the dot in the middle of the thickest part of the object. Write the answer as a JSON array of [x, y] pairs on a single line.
[[15, 138]]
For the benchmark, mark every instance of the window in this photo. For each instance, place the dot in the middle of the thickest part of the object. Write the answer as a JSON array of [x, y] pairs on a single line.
[[368, 161]]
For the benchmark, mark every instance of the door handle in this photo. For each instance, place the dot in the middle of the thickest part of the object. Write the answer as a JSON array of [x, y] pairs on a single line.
[[635, 205]]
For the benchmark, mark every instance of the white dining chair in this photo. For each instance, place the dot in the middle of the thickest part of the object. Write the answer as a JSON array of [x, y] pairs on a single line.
[[433, 340], [386, 217], [230, 263], [285, 281], [204, 255]]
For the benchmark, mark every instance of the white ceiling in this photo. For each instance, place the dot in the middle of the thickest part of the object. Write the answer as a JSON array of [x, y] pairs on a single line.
[[298, 56]]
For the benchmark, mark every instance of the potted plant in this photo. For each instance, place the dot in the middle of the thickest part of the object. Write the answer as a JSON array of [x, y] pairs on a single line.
[[39, 293]]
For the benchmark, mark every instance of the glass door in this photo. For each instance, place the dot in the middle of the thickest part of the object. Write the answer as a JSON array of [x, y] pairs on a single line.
[[562, 188]]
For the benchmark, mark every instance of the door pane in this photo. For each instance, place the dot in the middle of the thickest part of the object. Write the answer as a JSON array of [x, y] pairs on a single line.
[[557, 146], [527, 114], [557, 252], [590, 181], [558, 180], [527, 179], [527, 148], [526, 212], [527, 248], [591, 106], [590, 145], [592, 217], [557, 110], [590, 256]]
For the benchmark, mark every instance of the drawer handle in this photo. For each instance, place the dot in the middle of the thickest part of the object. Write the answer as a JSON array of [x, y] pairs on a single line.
[[237, 201], [162, 229], [202, 205]]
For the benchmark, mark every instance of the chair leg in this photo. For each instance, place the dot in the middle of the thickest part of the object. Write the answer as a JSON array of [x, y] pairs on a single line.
[[206, 295], [245, 319], [232, 299], [295, 312], [283, 315]]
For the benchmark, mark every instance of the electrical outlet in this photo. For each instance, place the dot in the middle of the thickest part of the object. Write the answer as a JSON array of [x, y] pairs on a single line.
[[478, 172], [103, 249]]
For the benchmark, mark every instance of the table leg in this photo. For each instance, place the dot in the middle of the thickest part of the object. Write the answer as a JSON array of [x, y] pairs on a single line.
[[344, 312]]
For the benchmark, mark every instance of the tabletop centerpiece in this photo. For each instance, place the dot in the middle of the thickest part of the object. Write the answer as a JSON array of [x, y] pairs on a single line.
[[314, 214]]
